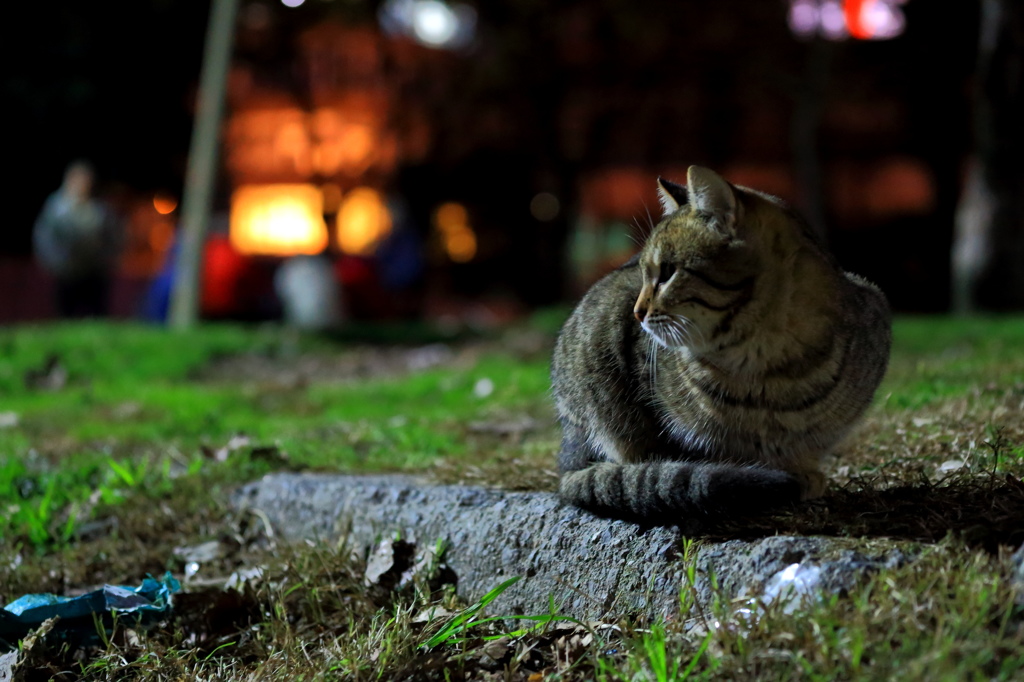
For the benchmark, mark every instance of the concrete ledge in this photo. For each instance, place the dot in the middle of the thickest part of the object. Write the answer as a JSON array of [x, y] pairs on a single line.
[[593, 567]]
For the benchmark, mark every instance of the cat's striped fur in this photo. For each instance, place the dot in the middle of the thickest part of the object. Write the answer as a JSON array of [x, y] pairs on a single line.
[[710, 374]]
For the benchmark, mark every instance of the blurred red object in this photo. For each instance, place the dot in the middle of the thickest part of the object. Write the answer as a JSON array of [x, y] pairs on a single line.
[[354, 270], [223, 269]]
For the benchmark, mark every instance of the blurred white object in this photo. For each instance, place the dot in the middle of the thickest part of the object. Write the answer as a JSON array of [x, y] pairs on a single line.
[[309, 293], [432, 23], [792, 586]]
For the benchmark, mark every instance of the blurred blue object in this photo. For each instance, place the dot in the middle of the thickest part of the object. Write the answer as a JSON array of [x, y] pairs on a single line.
[[80, 616], [158, 296]]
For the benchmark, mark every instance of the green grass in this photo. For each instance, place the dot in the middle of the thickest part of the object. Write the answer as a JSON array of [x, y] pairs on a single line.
[[941, 357], [120, 355], [130, 404], [101, 478]]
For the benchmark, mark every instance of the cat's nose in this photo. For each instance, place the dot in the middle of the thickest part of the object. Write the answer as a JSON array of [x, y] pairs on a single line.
[[639, 313]]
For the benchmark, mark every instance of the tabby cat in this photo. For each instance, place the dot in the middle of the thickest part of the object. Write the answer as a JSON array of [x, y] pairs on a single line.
[[709, 375]]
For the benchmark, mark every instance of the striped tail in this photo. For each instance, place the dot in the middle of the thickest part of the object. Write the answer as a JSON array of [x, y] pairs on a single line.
[[676, 492]]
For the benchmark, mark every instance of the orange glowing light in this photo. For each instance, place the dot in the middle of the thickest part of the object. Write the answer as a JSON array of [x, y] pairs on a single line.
[[452, 222], [279, 220], [164, 203], [363, 221]]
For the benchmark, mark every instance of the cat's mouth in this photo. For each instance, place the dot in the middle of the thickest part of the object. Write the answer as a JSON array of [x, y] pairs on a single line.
[[669, 331]]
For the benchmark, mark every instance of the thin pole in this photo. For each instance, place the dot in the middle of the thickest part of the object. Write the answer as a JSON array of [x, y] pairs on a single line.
[[201, 175]]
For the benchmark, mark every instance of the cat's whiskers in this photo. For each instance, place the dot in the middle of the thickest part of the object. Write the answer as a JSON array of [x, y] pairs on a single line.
[[635, 238], [674, 332], [638, 233], [650, 221], [688, 331], [654, 365], [648, 365], [678, 331]]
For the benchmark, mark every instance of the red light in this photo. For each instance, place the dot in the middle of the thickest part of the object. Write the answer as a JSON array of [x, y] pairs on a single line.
[[855, 23]]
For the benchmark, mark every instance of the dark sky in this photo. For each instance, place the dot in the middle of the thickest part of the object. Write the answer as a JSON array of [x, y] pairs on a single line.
[[107, 81]]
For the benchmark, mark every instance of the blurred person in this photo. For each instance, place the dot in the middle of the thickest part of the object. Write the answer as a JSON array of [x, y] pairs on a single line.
[[77, 239], [399, 261]]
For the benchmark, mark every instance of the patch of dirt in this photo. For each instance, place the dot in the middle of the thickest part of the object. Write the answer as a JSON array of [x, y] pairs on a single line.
[[953, 468], [980, 432], [528, 473], [357, 362], [353, 364]]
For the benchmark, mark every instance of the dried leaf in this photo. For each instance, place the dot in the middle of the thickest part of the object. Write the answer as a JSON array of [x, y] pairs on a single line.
[[8, 662], [245, 576], [497, 649], [950, 465], [388, 561], [431, 614], [381, 560], [237, 442], [201, 553]]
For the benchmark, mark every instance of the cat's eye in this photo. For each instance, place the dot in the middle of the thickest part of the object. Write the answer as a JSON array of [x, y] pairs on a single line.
[[665, 273]]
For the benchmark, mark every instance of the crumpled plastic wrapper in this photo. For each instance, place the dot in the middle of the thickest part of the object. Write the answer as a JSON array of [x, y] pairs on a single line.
[[80, 616]]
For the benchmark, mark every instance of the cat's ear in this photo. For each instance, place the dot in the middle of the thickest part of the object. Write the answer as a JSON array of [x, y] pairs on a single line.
[[712, 195], [671, 195]]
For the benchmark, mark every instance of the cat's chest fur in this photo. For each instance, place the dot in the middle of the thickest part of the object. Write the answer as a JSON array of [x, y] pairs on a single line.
[[743, 416]]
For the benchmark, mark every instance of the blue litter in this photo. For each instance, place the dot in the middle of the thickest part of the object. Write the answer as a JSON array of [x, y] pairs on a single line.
[[80, 616]]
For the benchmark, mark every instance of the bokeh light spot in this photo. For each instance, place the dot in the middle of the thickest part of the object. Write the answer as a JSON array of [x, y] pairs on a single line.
[[545, 206], [280, 220], [458, 239], [164, 203], [363, 221], [433, 22]]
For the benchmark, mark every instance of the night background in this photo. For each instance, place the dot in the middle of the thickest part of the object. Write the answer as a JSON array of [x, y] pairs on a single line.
[[541, 127]]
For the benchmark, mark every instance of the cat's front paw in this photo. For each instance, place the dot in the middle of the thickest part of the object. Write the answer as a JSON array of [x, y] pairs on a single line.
[[812, 484]]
